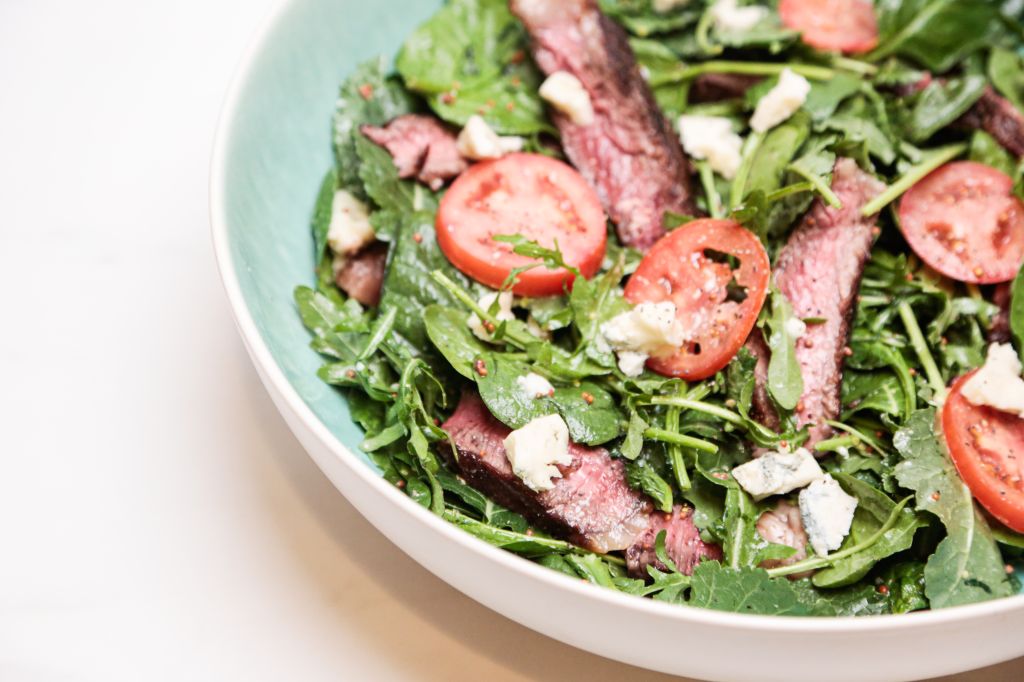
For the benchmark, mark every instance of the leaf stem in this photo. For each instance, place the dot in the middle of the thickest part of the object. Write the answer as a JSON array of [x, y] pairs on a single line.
[[811, 71], [674, 449], [679, 439], [699, 406], [833, 444], [930, 162], [920, 346], [739, 183], [520, 340], [815, 563], [707, 180]]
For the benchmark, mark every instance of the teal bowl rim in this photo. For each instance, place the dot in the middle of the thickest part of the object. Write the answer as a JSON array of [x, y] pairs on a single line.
[[271, 374]]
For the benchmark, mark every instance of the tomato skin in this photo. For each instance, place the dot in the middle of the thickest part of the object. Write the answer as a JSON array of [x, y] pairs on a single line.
[[535, 196], [987, 447], [964, 222], [848, 26], [678, 269]]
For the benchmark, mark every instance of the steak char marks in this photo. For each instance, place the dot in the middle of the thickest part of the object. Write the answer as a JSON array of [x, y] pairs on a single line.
[[591, 505], [819, 272], [999, 118], [629, 154]]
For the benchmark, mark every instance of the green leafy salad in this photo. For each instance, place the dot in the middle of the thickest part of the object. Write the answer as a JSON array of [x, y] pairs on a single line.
[[732, 288]]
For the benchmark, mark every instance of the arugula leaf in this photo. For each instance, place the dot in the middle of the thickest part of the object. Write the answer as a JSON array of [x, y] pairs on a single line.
[[785, 382], [967, 566], [520, 543], [873, 510], [745, 590], [878, 391], [368, 97], [469, 58], [639, 17], [492, 513], [855, 600], [906, 586], [826, 96], [778, 149], [740, 380], [641, 476], [1017, 311]]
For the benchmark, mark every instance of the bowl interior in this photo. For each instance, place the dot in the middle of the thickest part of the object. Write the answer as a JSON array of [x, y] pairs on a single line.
[[277, 151]]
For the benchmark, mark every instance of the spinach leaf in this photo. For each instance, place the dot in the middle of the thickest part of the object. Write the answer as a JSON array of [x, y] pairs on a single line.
[[639, 17], [745, 590], [642, 477], [785, 381], [967, 566], [1017, 312], [322, 213], [1006, 70], [855, 600], [857, 123], [936, 33], [588, 410], [873, 510], [826, 96], [985, 149], [449, 332], [939, 104], [740, 380], [491, 513], [380, 179], [878, 391], [408, 286], [662, 69], [368, 97], [905, 583], [778, 149], [469, 59]]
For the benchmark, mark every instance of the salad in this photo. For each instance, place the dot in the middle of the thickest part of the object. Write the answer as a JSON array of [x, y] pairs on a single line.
[[707, 301]]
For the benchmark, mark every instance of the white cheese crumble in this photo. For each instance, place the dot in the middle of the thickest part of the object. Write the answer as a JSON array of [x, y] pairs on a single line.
[[712, 138], [827, 512], [479, 142], [781, 102], [534, 385], [795, 327], [476, 325], [646, 330], [777, 473], [997, 383], [350, 228], [666, 6], [730, 18], [566, 93], [535, 449]]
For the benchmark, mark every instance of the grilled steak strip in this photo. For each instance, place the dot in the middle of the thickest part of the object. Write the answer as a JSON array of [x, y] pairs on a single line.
[[629, 154], [715, 87], [362, 275], [999, 118], [421, 148], [999, 332], [591, 505], [819, 271]]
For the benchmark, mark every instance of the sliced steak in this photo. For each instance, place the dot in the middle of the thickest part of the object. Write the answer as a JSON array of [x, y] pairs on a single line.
[[999, 332], [819, 271], [782, 525], [715, 87], [999, 118], [761, 407], [629, 154], [591, 505], [421, 148], [362, 275]]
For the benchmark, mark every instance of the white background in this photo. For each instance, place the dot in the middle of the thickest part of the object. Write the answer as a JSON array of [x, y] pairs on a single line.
[[157, 519]]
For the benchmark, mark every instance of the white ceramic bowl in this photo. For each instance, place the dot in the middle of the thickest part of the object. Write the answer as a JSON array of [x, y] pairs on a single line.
[[272, 146]]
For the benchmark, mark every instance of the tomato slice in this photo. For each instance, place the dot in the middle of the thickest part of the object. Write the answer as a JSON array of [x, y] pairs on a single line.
[[987, 447], [537, 197], [963, 221], [690, 267], [848, 26]]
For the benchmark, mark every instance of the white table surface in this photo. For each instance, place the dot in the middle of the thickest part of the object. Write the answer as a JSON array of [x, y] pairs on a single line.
[[157, 519]]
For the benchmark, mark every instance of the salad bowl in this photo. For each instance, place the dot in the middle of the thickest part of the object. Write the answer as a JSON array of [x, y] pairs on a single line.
[[271, 149]]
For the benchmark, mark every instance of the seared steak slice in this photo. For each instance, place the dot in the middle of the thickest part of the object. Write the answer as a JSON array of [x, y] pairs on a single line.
[[819, 271], [629, 154], [362, 275], [682, 543], [999, 118], [591, 505], [999, 332], [715, 87], [761, 407], [782, 525], [421, 147]]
